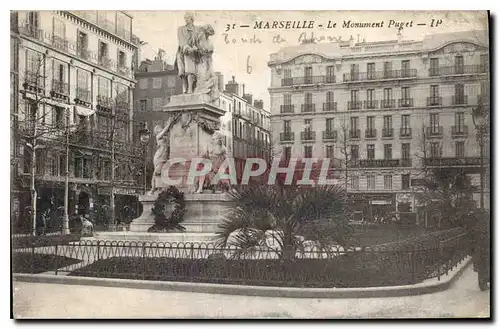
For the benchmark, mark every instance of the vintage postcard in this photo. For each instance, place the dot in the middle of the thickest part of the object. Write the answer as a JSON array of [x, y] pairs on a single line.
[[250, 164]]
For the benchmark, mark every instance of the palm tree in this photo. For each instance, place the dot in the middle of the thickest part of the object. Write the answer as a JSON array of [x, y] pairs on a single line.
[[286, 216]]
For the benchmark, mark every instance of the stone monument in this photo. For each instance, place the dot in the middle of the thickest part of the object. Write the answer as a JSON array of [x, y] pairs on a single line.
[[190, 132]]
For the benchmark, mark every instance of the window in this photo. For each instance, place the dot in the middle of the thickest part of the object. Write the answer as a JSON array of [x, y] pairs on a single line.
[[354, 182], [82, 44], [459, 91], [405, 181], [122, 59], [157, 103], [354, 71], [288, 152], [104, 87], [287, 126], [387, 151], [370, 182], [59, 34], [143, 103], [82, 85], [329, 97], [103, 51], [330, 74], [387, 94], [387, 122], [460, 121], [329, 124], [434, 91], [460, 149], [354, 95], [435, 150], [370, 70], [370, 95], [370, 123], [287, 73], [459, 64], [308, 151], [354, 124], [59, 84], [33, 19], [405, 122], [405, 92], [387, 182], [387, 69], [405, 151], [330, 151], [405, 67], [308, 70], [307, 124], [308, 98], [287, 99], [370, 151], [156, 83], [34, 74], [123, 25], [354, 152], [434, 66], [434, 122], [58, 116]]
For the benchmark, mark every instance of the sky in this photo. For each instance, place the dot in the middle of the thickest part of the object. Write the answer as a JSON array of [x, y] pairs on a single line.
[[247, 61]]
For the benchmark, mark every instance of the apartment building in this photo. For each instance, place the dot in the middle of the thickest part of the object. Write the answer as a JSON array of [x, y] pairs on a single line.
[[248, 123], [382, 110], [73, 90]]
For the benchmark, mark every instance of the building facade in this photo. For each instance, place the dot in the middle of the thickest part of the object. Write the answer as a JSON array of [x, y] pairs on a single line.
[[382, 111], [73, 91]]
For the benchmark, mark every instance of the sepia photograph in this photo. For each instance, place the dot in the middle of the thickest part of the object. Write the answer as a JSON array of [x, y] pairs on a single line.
[[197, 164]]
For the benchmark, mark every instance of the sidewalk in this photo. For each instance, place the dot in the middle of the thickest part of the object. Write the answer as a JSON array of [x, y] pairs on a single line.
[[40, 300]]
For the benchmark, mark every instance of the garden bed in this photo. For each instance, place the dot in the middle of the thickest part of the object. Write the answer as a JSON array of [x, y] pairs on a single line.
[[26, 262], [375, 234]]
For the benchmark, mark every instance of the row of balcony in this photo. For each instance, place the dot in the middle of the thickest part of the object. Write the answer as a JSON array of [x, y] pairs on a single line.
[[77, 49], [375, 104], [105, 144], [380, 75], [405, 132], [453, 162], [384, 75]]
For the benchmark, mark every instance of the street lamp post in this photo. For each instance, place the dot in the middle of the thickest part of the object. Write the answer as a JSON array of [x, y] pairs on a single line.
[[480, 120], [65, 221], [144, 135]]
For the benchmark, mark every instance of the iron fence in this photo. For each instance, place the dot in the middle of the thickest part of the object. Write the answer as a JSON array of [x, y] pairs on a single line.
[[406, 262]]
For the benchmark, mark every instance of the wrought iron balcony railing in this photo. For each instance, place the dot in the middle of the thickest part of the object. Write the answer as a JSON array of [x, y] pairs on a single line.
[[82, 96], [435, 131], [457, 70], [388, 103], [380, 75], [388, 132], [459, 131], [304, 80], [434, 101], [330, 106], [459, 100], [330, 135], [405, 162], [308, 135], [405, 132], [371, 133], [104, 103], [60, 43], [287, 108], [380, 163], [355, 133], [405, 102], [308, 107], [453, 162], [371, 104], [354, 105], [287, 136], [60, 88]]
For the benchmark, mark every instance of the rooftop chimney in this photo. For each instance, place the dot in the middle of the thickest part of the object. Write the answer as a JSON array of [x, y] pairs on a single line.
[[400, 36], [220, 81], [258, 103]]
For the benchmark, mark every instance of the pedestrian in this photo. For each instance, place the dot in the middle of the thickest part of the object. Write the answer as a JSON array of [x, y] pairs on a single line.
[[481, 248]]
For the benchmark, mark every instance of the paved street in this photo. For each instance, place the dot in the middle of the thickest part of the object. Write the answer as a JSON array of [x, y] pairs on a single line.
[[33, 300]]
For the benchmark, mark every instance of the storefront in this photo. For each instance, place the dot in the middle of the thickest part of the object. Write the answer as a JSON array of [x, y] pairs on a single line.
[[372, 207]]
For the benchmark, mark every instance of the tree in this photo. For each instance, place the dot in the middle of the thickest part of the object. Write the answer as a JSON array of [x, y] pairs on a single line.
[[447, 193], [277, 217], [345, 153]]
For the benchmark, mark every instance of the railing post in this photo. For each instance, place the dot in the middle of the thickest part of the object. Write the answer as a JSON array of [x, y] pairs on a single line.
[[32, 257], [98, 257], [143, 260], [56, 260]]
